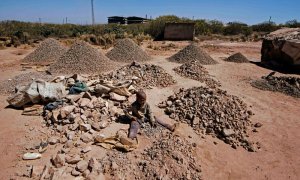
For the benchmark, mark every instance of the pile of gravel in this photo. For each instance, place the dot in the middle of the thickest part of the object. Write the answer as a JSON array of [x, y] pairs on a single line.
[[169, 157], [7, 87], [212, 111], [237, 58], [194, 70], [82, 58], [126, 50], [47, 52], [144, 75], [190, 53], [287, 85]]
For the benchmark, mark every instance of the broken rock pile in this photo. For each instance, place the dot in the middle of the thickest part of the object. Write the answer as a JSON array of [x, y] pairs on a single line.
[[47, 52], [144, 75], [287, 85], [170, 157], [192, 52], [211, 111], [126, 50], [237, 58], [82, 58], [194, 70]]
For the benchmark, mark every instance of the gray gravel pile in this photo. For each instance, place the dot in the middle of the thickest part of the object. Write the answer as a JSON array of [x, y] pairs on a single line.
[[126, 50], [287, 85], [48, 51], [170, 157], [82, 58], [144, 75], [7, 87], [190, 53], [194, 70], [212, 111], [237, 58]]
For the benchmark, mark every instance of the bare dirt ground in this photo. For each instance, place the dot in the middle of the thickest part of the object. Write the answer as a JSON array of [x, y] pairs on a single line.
[[278, 158]]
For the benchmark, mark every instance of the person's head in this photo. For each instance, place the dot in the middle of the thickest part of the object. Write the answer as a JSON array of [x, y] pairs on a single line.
[[141, 97]]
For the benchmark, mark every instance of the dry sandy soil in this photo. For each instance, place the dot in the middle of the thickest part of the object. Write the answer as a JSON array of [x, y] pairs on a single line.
[[278, 158]]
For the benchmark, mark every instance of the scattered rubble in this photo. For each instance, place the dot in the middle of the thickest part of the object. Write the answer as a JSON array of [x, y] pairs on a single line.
[[126, 50], [47, 52], [287, 85], [194, 70], [144, 75], [82, 58], [9, 86], [169, 157], [237, 58], [192, 52], [212, 111]]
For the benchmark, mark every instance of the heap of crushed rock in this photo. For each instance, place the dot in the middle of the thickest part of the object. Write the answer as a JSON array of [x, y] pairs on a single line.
[[126, 50], [145, 75], [212, 111], [47, 52], [170, 157], [82, 58], [237, 58], [287, 85], [8, 86], [192, 52], [194, 70]]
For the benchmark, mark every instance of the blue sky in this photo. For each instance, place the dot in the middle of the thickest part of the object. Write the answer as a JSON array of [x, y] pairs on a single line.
[[79, 11]]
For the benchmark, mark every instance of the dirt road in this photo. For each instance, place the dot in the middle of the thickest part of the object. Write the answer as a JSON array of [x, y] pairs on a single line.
[[278, 158]]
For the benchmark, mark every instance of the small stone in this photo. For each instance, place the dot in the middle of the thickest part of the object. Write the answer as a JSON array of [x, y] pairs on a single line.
[[258, 125], [86, 149], [228, 132], [103, 124], [95, 126], [94, 165], [53, 140], [75, 173], [85, 127], [81, 166], [59, 160], [31, 156], [70, 135], [37, 171], [169, 103], [83, 102], [116, 97], [66, 110], [86, 137], [73, 160], [69, 144], [63, 140]]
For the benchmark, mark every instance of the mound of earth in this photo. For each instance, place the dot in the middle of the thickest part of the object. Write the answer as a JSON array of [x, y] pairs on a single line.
[[212, 111], [8, 86], [126, 50], [47, 52], [82, 58], [287, 85], [194, 70], [145, 75], [237, 58], [190, 53]]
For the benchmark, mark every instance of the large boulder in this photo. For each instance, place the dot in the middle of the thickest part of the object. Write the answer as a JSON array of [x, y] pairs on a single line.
[[281, 48]]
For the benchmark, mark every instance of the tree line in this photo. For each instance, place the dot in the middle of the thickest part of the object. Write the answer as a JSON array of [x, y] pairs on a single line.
[[27, 32]]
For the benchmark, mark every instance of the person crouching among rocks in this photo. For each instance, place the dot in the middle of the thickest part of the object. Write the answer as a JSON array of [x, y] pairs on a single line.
[[140, 113]]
